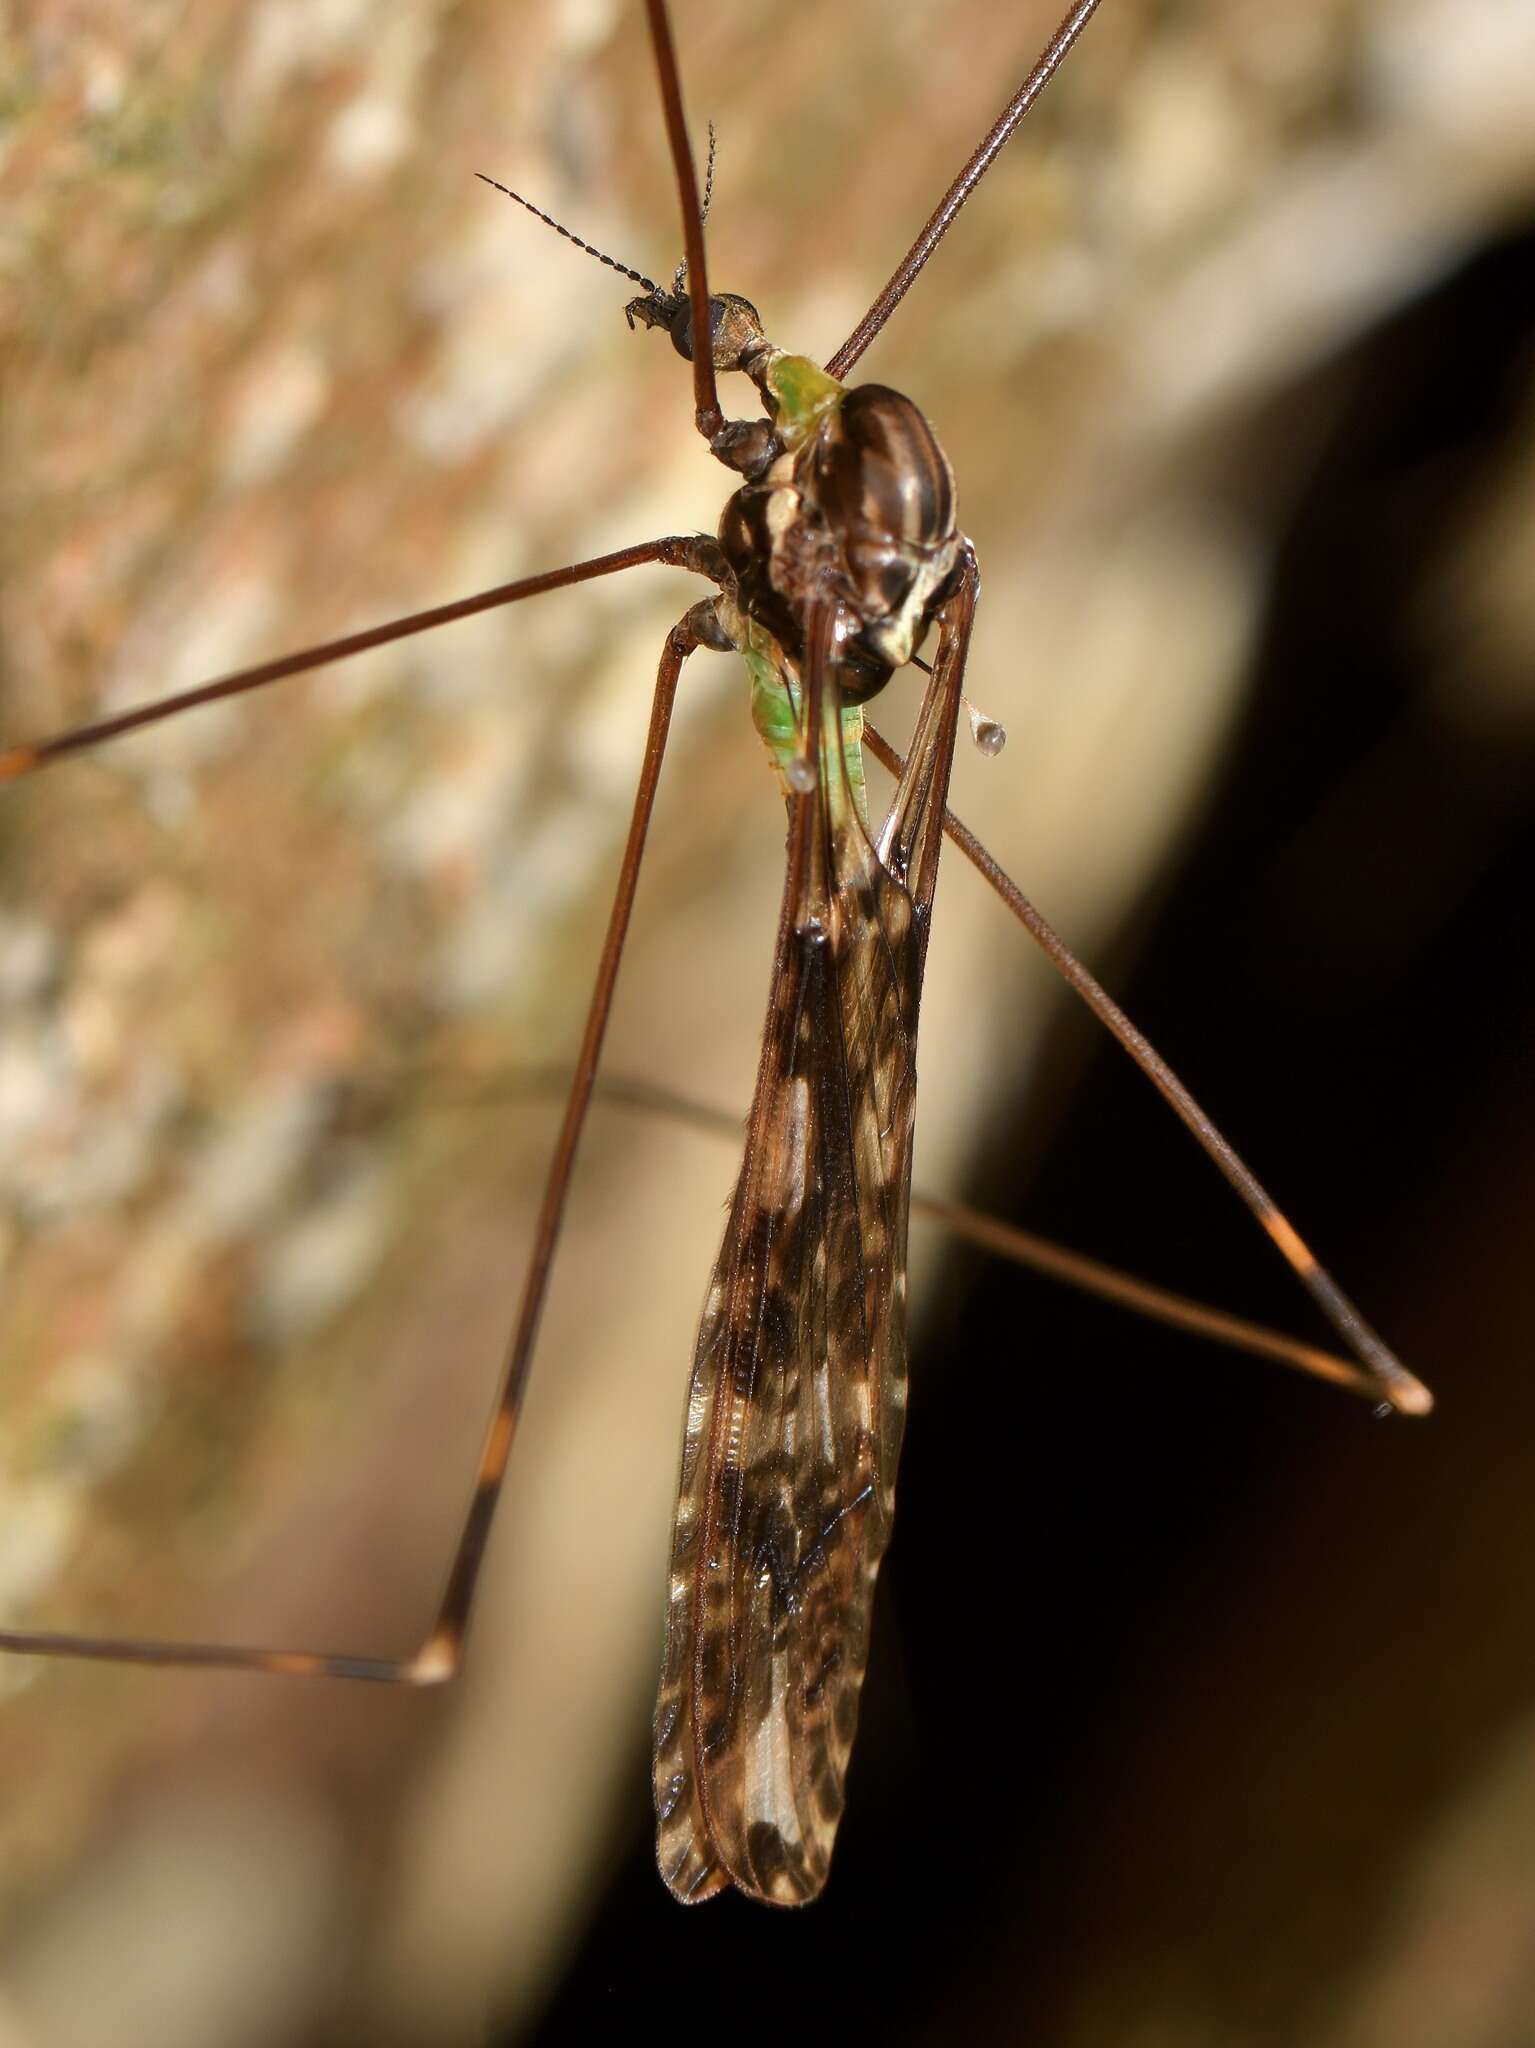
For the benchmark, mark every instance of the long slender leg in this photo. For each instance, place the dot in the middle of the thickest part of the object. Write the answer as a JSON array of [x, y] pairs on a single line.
[[678, 551], [438, 1657], [707, 416], [1396, 1384], [974, 1226], [1044, 68], [443, 1646]]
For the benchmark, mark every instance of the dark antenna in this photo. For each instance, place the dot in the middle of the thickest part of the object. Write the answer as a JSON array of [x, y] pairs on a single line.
[[679, 281], [549, 221], [612, 262]]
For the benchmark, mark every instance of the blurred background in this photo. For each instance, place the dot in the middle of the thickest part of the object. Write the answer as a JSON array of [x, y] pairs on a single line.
[[1203, 1706]]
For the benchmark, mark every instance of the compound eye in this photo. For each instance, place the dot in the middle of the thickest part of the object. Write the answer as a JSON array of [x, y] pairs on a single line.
[[734, 327]]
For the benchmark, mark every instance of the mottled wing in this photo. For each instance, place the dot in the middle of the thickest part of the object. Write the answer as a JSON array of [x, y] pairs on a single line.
[[798, 1393]]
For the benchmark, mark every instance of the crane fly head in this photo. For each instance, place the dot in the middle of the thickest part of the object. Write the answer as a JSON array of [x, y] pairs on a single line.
[[735, 326]]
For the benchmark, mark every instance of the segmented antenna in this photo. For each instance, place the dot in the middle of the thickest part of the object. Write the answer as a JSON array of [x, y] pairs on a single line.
[[680, 281], [549, 221], [703, 212], [638, 276]]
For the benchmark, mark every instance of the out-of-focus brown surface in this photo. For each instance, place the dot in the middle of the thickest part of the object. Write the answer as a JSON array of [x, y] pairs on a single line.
[[272, 365]]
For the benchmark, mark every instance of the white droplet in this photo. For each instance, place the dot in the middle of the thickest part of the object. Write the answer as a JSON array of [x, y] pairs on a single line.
[[988, 736]]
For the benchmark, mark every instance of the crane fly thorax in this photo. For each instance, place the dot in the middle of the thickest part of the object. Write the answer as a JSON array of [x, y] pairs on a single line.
[[848, 496], [848, 493], [863, 508]]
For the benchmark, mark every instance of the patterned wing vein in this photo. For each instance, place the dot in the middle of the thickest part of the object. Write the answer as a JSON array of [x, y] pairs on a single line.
[[798, 1393]]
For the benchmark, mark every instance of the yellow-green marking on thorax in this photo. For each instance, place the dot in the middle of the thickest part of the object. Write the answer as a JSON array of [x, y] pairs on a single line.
[[800, 391], [801, 394], [776, 692]]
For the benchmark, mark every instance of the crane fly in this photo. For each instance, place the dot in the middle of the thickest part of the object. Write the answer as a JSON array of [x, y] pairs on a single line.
[[838, 552]]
